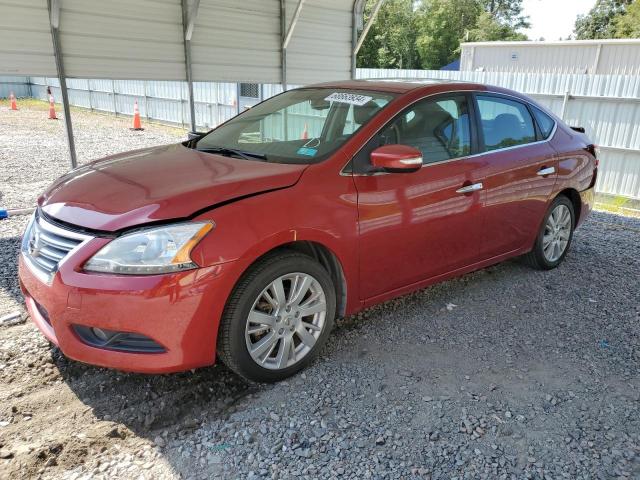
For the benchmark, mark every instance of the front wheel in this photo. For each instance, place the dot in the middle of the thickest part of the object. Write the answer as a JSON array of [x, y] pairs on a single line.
[[554, 239], [277, 318]]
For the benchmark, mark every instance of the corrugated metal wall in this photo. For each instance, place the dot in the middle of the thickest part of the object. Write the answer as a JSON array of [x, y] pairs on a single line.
[[608, 106], [25, 38], [237, 41], [604, 57], [141, 39], [313, 58]]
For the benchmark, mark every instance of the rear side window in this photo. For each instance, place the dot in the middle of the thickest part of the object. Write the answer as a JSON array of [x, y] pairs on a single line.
[[545, 122], [505, 123]]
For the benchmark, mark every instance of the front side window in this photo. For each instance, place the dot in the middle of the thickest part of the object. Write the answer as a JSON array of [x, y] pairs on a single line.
[[504, 123], [300, 126], [439, 128]]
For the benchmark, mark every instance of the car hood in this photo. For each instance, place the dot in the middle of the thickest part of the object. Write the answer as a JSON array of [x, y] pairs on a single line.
[[155, 184]]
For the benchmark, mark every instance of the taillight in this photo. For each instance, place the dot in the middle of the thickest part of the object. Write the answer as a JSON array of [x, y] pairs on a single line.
[[595, 151]]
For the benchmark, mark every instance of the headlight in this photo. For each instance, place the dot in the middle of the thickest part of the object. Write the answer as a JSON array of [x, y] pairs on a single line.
[[151, 251]]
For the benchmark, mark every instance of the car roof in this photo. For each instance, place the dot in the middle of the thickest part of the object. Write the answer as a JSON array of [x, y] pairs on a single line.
[[397, 85], [424, 85]]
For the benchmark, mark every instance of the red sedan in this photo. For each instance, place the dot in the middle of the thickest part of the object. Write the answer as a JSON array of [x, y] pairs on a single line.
[[245, 243]]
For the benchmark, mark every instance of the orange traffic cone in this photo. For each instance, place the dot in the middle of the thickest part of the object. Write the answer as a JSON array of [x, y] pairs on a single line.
[[12, 98], [136, 117], [52, 109], [305, 133]]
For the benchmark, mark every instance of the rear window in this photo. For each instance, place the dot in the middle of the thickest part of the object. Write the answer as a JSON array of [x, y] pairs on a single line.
[[545, 122]]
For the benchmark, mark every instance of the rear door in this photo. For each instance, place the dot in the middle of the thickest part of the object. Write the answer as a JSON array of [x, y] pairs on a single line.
[[520, 171]]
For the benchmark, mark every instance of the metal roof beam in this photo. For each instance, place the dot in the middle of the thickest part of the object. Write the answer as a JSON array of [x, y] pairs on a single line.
[[292, 25], [54, 20], [192, 14], [367, 27]]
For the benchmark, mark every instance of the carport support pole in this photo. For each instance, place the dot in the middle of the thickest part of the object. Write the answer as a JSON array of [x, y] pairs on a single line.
[[359, 41], [54, 20], [283, 53], [188, 23]]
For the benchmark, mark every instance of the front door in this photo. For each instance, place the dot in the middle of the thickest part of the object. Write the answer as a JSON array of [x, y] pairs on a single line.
[[414, 226]]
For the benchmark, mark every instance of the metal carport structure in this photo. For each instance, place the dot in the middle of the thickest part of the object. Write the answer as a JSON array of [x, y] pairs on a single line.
[[264, 41]]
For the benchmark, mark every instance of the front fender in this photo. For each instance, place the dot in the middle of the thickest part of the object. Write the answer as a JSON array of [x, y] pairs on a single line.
[[317, 209]]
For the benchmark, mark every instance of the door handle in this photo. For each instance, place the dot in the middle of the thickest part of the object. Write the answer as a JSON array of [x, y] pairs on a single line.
[[546, 171], [470, 188]]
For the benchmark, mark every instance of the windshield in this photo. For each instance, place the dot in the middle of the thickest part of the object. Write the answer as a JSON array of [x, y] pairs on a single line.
[[299, 126]]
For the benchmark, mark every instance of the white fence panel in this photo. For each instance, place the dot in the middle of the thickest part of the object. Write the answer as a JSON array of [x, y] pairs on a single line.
[[19, 86]]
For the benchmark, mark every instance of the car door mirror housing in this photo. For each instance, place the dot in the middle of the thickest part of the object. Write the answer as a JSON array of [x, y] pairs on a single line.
[[396, 159]]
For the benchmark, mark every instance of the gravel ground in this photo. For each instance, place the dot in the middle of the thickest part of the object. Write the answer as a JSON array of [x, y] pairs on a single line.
[[34, 152], [503, 373]]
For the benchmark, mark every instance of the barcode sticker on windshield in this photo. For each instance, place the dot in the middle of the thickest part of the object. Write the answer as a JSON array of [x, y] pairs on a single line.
[[350, 98]]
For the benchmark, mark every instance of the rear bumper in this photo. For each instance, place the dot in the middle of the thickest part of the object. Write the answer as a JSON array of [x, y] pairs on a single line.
[[180, 311], [587, 198]]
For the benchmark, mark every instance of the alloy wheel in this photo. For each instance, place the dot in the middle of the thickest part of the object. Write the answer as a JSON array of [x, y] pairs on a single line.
[[285, 321], [557, 233]]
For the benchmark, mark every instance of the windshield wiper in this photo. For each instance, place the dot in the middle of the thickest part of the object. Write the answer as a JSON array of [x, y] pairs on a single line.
[[233, 151]]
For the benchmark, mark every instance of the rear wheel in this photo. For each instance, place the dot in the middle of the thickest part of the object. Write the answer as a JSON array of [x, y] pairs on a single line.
[[554, 239], [278, 317]]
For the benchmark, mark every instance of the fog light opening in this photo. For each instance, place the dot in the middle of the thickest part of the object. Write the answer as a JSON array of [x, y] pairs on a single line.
[[101, 334]]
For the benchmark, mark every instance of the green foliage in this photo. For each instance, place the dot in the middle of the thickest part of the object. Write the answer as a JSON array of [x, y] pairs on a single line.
[[507, 12], [488, 29], [441, 25], [628, 25], [427, 33], [601, 20], [391, 40]]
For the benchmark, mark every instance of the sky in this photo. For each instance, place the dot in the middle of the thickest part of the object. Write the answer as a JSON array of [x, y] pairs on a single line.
[[554, 19]]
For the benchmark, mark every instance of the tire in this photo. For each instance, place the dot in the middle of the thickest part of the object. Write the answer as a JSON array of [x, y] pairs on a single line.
[[256, 294], [541, 258]]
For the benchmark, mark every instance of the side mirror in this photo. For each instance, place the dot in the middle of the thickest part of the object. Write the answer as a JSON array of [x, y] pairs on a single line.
[[396, 159], [195, 135]]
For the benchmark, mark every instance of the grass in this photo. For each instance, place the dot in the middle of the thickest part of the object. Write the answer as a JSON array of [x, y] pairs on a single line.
[[618, 204]]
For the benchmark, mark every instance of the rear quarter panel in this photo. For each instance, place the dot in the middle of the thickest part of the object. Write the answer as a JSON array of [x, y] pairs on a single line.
[[576, 166]]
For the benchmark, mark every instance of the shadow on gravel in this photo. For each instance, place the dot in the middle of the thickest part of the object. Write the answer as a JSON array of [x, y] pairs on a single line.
[[148, 405], [9, 250]]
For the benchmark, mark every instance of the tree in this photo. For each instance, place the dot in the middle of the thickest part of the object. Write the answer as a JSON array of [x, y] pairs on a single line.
[[600, 22], [507, 12], [628, 25], [427, 33], [391, 40], [441, 25], [489, 29]]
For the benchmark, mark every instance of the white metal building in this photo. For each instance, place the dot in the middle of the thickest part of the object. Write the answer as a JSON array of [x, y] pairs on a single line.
[[595, 57]]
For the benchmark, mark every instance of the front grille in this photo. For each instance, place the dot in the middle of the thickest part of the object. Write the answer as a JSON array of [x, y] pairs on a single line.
[[45, 245]]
